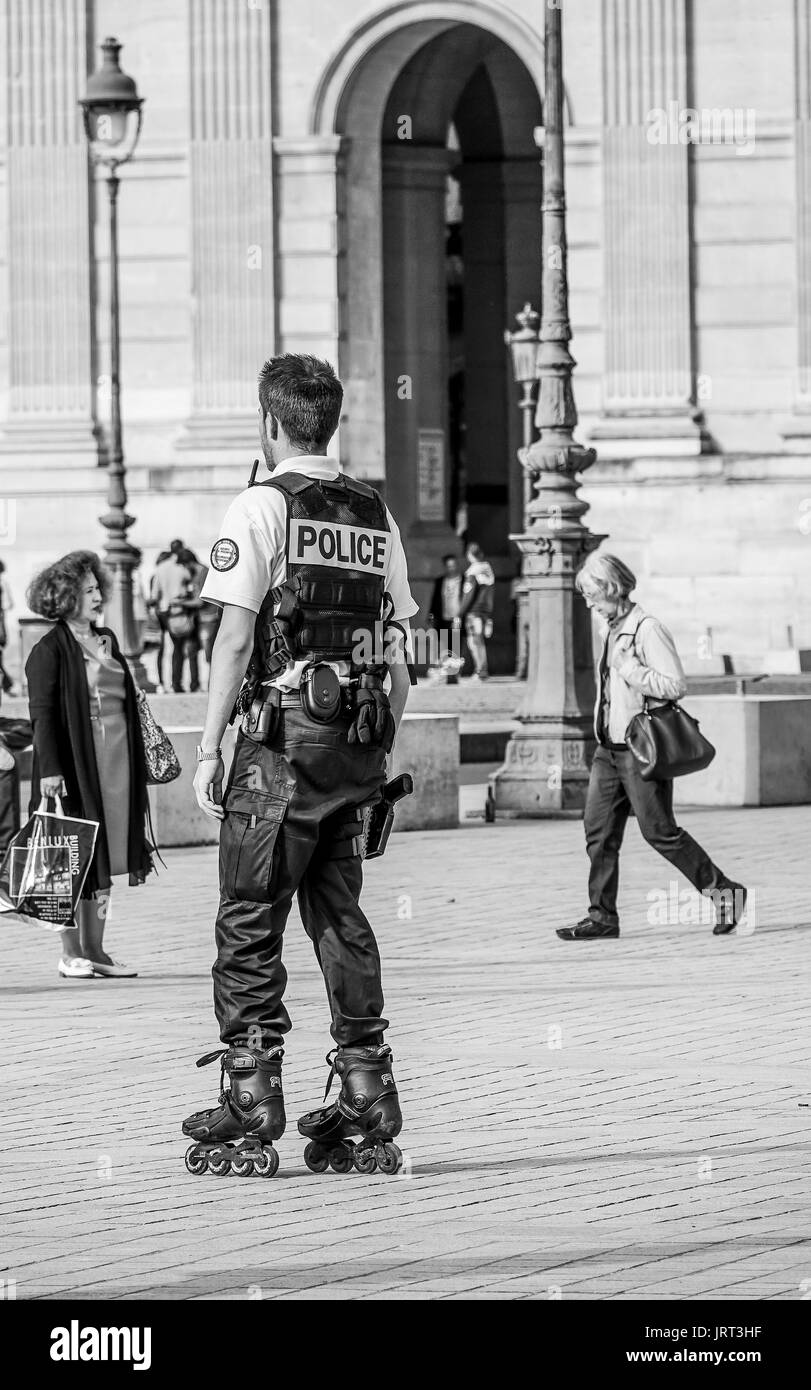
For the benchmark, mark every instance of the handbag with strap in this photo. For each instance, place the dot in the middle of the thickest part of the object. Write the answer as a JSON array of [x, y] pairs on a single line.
[[162, 764], [667, 742]]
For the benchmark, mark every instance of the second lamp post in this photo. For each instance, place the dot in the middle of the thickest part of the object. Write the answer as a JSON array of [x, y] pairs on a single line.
[[112, 119]]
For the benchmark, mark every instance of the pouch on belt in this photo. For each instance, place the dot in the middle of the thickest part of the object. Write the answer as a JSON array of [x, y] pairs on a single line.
[[248, 836]]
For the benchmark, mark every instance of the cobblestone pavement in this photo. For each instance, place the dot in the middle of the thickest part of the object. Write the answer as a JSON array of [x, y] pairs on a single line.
[[618, 1120]]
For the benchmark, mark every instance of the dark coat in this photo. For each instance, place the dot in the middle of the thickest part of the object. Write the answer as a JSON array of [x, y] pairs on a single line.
[[59, 704]]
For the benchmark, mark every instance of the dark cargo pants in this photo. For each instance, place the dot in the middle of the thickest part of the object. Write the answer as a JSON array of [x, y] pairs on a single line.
[[291, 816]]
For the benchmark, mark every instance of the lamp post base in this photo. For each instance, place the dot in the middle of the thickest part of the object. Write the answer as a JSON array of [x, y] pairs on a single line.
[[120, 560], [545, 773]]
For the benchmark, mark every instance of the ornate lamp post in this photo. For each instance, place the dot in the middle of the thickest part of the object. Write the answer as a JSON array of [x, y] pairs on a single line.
[[112, 120], [523, 345], [546, 767]]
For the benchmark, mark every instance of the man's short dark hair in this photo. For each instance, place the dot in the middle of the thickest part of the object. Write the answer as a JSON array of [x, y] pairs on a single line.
[[446, 558], [305, 396]]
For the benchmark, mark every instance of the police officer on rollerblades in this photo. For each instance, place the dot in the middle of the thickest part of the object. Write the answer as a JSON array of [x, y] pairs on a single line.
[[310, 656]]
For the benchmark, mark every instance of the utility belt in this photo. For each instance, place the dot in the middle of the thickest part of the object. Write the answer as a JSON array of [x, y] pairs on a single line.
[[323, 697]]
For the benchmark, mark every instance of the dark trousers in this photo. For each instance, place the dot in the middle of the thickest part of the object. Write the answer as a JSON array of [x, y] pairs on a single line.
[[615, 789], [182, 648], [291, 826], [163, 619]]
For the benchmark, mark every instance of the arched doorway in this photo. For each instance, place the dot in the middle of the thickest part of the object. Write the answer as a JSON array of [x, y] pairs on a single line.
[[440, 246]]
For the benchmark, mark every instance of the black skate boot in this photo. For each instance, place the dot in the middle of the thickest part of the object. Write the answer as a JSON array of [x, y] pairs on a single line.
[[367, 1105], [236, 1136]]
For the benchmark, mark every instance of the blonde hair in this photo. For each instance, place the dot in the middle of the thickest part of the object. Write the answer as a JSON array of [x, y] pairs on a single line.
[[607, 573]]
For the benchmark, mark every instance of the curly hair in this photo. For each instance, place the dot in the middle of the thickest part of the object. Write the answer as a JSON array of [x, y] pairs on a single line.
[[56, 591]]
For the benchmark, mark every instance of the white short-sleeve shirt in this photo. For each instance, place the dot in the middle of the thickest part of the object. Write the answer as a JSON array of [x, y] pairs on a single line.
[[249, 557]]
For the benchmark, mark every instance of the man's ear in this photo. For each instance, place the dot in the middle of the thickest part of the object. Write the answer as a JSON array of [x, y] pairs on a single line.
[[274, 427]]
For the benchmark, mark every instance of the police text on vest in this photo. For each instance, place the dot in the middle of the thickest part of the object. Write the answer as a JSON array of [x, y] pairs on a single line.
[[337, 545]]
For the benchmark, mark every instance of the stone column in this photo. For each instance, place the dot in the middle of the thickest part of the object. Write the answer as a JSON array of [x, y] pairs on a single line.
[[797, 430], [51, 359], [648, 385], [416, 353], [309, 173], [231, 174]]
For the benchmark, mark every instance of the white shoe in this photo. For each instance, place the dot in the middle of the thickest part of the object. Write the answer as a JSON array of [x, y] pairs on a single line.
[[75, 968], [115, 971]]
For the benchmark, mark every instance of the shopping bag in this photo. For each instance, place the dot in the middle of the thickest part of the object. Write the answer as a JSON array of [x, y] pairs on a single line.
[[45, 866]]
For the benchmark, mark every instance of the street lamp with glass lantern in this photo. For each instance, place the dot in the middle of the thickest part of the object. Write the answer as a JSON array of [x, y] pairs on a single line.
[[112, 113], [546, 767]]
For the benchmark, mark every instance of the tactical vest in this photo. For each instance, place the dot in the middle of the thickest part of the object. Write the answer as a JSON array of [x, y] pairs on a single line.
[[337, 550]]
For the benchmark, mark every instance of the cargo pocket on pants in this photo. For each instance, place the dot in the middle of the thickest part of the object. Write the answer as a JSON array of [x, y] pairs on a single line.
[[248, 844]]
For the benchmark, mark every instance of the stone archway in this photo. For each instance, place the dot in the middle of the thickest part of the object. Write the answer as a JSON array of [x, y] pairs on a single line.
[[395, 92]]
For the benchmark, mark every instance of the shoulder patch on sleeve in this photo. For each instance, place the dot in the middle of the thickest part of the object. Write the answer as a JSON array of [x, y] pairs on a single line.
[[224, 554]]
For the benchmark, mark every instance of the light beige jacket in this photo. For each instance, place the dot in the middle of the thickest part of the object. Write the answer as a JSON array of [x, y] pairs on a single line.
[[645, 665]]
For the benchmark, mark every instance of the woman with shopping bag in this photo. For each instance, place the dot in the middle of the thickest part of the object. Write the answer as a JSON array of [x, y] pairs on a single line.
[[88, 746]]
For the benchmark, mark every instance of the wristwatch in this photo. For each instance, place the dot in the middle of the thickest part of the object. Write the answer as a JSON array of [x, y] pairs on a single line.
[[207, 757]]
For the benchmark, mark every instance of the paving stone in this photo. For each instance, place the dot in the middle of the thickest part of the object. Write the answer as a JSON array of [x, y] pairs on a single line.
[[615, 1120]]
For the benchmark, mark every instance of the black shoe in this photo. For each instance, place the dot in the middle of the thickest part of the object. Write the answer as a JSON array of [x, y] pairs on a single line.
[[587, 930], [730, 905]]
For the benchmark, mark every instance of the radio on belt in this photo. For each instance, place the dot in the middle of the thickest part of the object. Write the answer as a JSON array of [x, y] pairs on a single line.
[[379, 818]]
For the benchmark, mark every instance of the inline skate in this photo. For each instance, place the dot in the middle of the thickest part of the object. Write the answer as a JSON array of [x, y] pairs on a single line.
[[367, 1106], [236, 1136]]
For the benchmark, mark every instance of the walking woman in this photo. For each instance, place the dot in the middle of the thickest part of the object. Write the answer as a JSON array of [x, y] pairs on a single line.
[[639, 660], [88, 745]]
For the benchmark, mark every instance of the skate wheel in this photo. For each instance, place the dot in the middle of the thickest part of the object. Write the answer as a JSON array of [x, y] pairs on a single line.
[[389, 1158], [242, 1167], [196, 1162], [220, 1167], [266, 1164], [365, 1160], [315, 1158], [341, 1159]]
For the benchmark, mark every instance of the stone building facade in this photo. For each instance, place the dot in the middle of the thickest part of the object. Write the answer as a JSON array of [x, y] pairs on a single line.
[[363, 181]]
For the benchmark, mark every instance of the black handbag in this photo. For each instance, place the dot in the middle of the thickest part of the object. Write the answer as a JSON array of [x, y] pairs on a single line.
[[667, 742]]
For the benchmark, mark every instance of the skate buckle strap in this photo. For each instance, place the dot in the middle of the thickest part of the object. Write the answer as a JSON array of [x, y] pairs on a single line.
[[211, 1057], [330, 1060]]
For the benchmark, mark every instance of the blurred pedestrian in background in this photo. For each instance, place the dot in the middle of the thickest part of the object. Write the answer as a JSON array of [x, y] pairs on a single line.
[[169, 581], [208, 615], [88, 746], [181, 622], [476, 609], [638, 661], [443, 617], [15, 736], [6, 605]]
